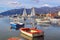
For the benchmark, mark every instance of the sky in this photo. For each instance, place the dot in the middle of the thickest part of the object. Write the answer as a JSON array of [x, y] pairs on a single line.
[[16, 4]]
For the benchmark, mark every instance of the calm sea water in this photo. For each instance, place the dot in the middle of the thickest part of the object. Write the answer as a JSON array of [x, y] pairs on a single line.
[[51, 32]]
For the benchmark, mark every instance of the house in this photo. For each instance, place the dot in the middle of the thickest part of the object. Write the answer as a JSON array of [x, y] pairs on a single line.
[[59, 13]]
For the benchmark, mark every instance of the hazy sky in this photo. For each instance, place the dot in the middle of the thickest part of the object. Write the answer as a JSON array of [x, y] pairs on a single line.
[[14, 4]]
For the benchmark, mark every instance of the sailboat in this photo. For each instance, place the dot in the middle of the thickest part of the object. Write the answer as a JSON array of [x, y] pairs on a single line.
[[32, 12], [24, 15]]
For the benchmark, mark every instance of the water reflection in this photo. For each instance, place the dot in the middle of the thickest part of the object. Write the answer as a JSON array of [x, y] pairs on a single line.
[[30, 38], [51, 32]]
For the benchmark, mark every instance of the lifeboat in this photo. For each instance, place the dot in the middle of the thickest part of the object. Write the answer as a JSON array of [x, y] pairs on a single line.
[[31, 32]]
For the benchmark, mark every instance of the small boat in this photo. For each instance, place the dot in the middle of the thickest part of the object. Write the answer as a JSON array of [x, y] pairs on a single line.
[[31, 32], [54, 21], [43, 22], [30, 38], [16, 25], [13, 38]]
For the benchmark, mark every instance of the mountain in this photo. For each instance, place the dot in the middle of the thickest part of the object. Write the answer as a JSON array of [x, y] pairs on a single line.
[[14, 11], [42, 10]]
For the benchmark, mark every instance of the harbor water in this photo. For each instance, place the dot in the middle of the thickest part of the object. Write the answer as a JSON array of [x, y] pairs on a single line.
[[51, 32]]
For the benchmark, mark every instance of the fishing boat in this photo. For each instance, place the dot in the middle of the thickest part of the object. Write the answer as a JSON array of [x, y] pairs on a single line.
[[43, 21], [16, 25], [31, 32], [54, 21], [30, 38]]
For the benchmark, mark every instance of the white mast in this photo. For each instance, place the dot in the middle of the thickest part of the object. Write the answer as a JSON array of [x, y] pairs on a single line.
[[24, 13], [33, 12]]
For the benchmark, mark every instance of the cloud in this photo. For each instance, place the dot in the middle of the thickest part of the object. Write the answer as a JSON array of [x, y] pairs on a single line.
[[10, 3], [14, 4], [47, 5]]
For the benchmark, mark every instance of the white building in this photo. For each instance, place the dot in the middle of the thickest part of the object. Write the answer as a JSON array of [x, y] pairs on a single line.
[[59, 13]]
